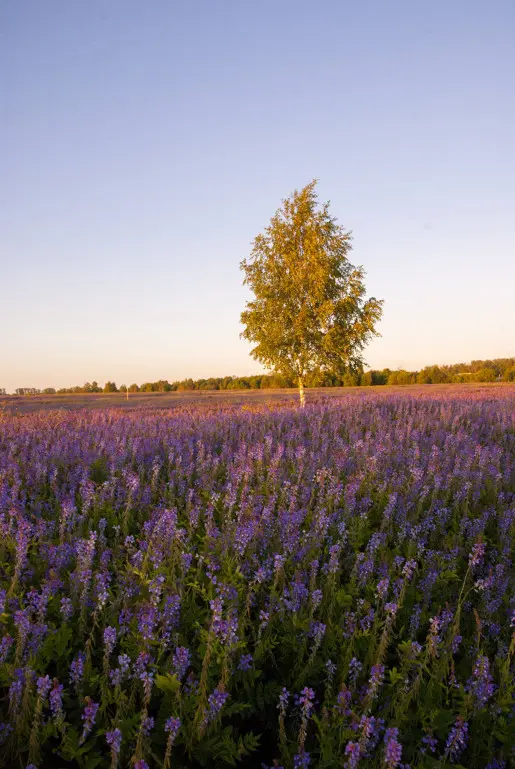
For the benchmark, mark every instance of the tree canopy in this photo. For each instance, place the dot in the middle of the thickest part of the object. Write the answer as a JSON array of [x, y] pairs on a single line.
[[309, 312]]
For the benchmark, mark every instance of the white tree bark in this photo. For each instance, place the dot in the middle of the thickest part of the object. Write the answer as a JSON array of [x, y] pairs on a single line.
[[302, 394]]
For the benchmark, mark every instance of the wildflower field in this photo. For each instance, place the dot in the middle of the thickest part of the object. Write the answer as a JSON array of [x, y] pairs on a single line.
[[263, 587]]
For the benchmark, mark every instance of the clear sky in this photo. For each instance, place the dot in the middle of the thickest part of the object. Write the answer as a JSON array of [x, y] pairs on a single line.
[[144, 144]]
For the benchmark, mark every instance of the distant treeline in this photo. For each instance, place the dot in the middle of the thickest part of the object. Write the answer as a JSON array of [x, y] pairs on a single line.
[[497, 370]]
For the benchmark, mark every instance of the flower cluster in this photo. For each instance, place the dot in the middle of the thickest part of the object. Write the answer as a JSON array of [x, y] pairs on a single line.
[[331, 586]]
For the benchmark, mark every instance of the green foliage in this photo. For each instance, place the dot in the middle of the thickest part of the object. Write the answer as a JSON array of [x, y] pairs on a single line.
[[99, 471], [485, 375], [477, 371], [366, 379], [351, 380], [432, 375], [168, 683], [309, 311], [401, 377]]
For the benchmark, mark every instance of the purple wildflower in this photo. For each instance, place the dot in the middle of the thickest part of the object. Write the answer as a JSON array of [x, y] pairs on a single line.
[[355, 668], [301, 760], [429, 743], [109, 639], [393, 749], [181, 661], [142, 662], [382, 588], [170, 618], [66, 608], [147, 725], [352, 755], [370, 732], [331, 669], [16, 690], [77, 668], [43, 686], [343, 702], [118, 675], [88, 718], [5, 731], [5, 645], [147, 622], [457, 739], [124, 619], [156, 588], [172, 726], [481, 685], [305, 700], [283, 700], [316, 598], [85, 555], [455, 643], [477, 554], [375, 681], [56, 701], [433, 638], [245, 662], [216, 701], [147, 679], [22, 624], [317, 633], [114, 740], [409, 569]]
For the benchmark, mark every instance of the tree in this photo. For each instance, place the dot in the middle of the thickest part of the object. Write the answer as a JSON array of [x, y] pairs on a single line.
[[110, 387], [485, 375], [351, 379], [402, 377], [367, 379], [308, 312], [432, 375], [163, 386]]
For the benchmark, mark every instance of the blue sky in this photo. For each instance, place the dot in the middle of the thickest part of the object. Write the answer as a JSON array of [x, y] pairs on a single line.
[[144, 145]]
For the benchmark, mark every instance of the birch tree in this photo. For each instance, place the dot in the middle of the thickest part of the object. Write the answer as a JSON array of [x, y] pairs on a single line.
[[308, 312]]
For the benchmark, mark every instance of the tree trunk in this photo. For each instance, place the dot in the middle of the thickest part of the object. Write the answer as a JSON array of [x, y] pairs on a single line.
[[302, 394]]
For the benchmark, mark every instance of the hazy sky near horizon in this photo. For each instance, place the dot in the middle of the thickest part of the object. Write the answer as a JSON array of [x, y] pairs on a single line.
[[144, 145]]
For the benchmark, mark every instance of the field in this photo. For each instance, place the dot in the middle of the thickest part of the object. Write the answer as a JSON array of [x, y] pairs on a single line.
[[249, 398], [207, 580]]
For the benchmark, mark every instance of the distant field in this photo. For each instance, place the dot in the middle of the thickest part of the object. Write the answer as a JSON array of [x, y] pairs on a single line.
[[29, 403]]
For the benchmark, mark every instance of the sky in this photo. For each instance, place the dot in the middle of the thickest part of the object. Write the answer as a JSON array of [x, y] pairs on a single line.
[[144, 145]]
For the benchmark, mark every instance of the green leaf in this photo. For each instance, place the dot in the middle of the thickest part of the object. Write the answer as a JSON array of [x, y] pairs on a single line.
[[343, 598], [168, 683], [56, 644]]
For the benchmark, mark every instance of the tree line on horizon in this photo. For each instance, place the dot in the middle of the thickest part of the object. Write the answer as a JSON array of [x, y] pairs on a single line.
[[498, 369]]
